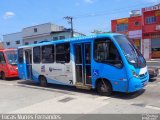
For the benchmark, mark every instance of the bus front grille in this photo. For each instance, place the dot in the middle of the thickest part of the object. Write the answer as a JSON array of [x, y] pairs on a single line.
[[143, 75]]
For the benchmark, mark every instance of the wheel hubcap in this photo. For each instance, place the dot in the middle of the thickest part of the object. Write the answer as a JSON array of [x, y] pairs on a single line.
[[104, 88]]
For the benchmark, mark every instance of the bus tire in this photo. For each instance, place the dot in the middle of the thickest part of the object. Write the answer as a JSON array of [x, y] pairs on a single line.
[[43, 81], [3, 76], [104, 87]]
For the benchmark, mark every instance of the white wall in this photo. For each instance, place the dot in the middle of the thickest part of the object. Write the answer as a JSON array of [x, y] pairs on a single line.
[[38, 39], [12, 38], [65, 34], [43, 29], [43, 33], [56, 27], [29, 35], [147, 48]]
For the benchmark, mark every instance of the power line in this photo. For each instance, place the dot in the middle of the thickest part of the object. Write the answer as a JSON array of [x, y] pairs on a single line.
[[104, 12]]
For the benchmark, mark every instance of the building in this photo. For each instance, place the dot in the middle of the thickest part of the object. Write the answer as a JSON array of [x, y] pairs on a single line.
[[143, 28], [38, 33], [1, 45], [151, 31], [131, 26], [12, 40]]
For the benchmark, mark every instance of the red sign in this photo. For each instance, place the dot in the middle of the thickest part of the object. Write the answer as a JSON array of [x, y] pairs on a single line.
[[156, 7]]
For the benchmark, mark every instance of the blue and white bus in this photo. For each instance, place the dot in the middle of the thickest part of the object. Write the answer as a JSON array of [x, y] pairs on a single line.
[[105, 62]]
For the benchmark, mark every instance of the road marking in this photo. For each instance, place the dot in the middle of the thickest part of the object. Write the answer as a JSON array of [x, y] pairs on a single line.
[[102, 98], [152, 107]]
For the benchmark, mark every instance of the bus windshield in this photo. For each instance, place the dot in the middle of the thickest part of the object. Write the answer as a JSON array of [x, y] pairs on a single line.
[[132, 54], [12, 57]]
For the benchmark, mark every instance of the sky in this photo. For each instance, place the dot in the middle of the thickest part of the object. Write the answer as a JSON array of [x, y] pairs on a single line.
[[87, 14]]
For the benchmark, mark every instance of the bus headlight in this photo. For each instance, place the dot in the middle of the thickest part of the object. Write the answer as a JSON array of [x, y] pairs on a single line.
[[134, 74]]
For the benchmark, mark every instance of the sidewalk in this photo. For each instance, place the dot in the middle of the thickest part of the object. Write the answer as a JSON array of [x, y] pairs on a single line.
[[154, 63], [153, 60]]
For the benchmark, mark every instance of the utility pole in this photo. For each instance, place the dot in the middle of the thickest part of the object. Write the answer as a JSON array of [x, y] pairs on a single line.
[[70, 21]]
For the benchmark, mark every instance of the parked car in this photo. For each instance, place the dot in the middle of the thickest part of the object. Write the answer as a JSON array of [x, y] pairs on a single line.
[[153, 72]]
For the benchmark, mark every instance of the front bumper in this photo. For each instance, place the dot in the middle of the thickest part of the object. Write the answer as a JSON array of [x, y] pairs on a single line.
[[12, 75], [136, 84]]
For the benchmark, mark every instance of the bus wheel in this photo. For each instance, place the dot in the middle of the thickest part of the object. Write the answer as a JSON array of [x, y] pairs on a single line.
[[104, 88], [3, 76], [43, 81]]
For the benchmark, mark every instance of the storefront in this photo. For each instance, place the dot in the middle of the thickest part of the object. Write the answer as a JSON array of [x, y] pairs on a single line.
[[151, 45], [136, 37], [137, 43], [155, 47], [151, 31]]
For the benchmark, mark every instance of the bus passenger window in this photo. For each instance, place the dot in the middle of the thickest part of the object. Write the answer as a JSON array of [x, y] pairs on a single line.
[[88, 54], [106, 52], [48, 54], [63, 53], [2, 59], [36, 55], [78, 54], [20, 55]]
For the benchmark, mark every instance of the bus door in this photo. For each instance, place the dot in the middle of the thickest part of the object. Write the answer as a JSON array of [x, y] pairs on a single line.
[[83, 64], [28, 61]]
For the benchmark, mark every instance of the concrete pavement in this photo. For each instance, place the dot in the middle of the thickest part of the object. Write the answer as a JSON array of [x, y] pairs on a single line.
[[26, 97]]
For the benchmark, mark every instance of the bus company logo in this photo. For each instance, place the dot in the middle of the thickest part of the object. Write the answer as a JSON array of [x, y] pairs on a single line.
[[43, 68], [54, 69]]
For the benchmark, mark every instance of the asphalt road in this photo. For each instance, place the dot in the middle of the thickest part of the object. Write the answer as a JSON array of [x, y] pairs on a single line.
[[18, 96]]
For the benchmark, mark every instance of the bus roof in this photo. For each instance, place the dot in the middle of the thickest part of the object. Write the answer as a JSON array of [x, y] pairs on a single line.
[[72, 39]]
